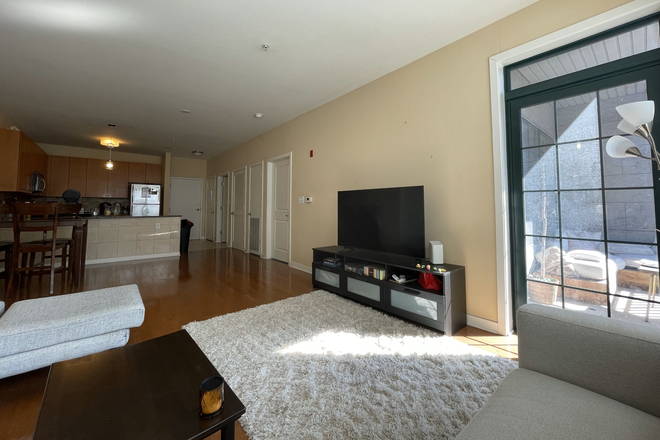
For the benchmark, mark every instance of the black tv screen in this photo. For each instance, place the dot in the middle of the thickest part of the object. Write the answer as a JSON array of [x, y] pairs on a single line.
[[385, 220]]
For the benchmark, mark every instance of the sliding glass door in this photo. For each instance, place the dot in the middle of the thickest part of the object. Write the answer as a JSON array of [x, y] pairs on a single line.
[[583, 223]]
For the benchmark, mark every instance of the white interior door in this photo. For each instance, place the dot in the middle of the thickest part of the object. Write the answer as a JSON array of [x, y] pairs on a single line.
[[238, 209], [221, 210], [255, 203], [210, 204], [281, 209], [186, 201]]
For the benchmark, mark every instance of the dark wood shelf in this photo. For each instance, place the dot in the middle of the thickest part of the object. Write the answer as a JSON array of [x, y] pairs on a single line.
[[443, 310]]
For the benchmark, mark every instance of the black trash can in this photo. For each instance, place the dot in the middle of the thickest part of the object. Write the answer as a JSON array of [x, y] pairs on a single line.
[[186, 226]]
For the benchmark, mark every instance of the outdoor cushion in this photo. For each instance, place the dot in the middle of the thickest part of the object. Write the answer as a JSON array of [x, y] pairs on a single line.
[[531, 405], [639, 249], [637, 260], [37, 323]]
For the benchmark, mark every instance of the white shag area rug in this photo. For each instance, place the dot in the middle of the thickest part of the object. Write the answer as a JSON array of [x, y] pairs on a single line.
[[319, 366]]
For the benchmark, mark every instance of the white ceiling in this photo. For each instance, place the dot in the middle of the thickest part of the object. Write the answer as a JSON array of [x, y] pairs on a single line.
[[68, 68]]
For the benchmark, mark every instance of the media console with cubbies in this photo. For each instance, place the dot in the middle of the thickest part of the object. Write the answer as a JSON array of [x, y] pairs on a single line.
[[442, 310]]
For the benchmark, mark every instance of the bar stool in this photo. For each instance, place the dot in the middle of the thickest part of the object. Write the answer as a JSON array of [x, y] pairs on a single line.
[[22, 221]]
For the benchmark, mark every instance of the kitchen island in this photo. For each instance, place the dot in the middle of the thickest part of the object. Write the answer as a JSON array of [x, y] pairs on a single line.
[[124, 238]]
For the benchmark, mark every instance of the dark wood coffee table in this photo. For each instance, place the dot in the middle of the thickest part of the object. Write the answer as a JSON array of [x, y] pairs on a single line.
[[143, 391]]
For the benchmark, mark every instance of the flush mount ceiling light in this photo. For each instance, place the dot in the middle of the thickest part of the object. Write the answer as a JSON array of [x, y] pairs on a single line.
[[198, 153], [258, 115]]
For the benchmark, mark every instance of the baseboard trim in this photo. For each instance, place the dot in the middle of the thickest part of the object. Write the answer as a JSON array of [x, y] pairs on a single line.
[[481, 323], [300, 267], [131, 258]]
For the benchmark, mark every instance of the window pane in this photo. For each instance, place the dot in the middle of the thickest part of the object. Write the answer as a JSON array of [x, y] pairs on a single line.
[[585, 266], [582, 214], [630, 215], [538, 125], [539, 169], [546, 294], [611, 98], [629, 309], [630, 171], [587, 302], [577, 118], [546, 269], [625, 44], [579, 165], [541, 214]]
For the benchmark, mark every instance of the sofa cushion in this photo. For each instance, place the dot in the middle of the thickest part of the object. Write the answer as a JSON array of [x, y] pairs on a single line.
[[531, 405], [37, 323], [31, 360]]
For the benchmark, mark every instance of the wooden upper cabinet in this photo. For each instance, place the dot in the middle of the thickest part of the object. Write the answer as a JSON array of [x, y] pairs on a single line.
[[78, 174], [58, 176], [154, 173], [20, 156], [97, 178], [118, 180], [137, 172]]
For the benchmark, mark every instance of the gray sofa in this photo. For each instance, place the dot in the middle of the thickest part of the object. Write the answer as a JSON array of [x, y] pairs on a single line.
[[580, 377], [36, 333]]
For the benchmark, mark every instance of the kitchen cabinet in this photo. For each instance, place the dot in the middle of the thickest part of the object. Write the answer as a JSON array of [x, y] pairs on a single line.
[[21, 157], [118, 181], [154, 173], [97, 178], [78, 174], [137, 172], [58, 176]]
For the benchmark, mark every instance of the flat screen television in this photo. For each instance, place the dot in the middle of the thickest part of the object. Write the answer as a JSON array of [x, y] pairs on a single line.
[[385, 220]]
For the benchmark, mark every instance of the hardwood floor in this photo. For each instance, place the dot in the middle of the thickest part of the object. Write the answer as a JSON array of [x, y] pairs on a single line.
[[202, 284]]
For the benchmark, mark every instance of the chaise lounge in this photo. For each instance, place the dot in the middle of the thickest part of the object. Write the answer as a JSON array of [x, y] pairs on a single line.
[[36, 333]]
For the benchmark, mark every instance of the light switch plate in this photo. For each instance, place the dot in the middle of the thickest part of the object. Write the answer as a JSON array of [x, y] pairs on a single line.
[[157, 225], [301, 199]]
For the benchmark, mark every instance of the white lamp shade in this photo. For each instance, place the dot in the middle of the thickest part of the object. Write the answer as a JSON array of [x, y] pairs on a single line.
[[637, 113], [626, 127], [617, 146]]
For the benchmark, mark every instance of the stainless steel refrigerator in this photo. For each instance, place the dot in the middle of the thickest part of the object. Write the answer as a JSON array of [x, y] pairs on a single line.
[[145, 200]]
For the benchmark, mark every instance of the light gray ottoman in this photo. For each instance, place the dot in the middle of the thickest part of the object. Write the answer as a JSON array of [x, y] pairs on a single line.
[[36, 333]]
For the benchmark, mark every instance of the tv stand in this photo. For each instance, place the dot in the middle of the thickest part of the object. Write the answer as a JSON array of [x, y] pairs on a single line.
[[442, 310]]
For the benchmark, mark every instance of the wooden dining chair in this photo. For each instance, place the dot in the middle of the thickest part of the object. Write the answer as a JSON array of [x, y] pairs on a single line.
[[5, 248], [68, 209], [30, 217]]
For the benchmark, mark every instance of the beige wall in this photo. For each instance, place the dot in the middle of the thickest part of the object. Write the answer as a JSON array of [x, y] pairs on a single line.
[[93, 153], [194, 168], [428, 124]]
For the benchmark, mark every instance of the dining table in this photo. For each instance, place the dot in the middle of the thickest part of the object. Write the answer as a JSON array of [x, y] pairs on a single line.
[[78, 248]]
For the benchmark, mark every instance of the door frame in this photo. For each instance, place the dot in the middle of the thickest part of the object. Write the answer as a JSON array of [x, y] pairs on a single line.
[[202, 230], [268, 217], [215, 210], [261, 204], [231, 236], [592, 26], [221, 220]]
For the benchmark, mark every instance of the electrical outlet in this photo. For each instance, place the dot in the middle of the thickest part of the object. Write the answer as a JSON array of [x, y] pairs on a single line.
[[157, 225]]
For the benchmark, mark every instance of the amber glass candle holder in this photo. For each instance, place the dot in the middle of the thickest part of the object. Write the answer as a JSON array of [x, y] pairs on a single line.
[[211, 396]]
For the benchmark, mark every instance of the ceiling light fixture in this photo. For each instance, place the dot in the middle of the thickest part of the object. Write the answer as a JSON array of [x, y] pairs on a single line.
[[198, 153], [183, 110], [110, 143], [258, 115]]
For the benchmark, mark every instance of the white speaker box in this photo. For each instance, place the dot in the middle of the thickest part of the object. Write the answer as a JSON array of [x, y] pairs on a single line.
[[436, 253]]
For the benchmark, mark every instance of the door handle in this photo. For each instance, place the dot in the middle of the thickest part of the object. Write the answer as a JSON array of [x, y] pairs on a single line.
[[197, 209], [249, 213], [286, 215]]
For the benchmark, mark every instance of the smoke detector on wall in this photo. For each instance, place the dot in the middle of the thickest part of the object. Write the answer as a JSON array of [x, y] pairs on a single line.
[[265, 47]]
